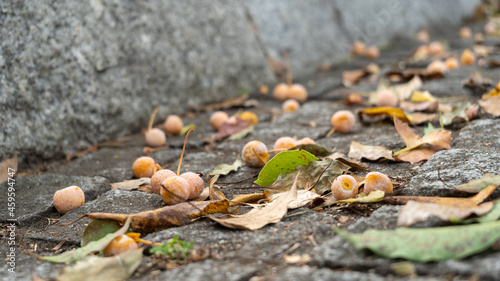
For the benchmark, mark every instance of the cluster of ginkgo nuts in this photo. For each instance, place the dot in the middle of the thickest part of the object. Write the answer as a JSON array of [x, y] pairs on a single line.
[[173, 188], [346, 186], [173, 125]]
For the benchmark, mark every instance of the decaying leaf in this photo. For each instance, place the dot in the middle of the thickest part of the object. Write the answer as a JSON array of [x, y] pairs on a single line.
[[232, 127], [414, 212], [224, 169], [130, 184], [458, 112], [318, 174], [414, 152], [93, 246], [304, 197], [448, 201], [214, 192], [369, 152], [405, 90], [390, 112], [284, 162], [475, 186], [116, 268], [260, 217], [491, 105], [8, 168], [427, 244], [163, 218]]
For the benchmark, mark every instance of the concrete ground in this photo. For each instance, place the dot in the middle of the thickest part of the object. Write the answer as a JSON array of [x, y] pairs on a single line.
[[259, 255]]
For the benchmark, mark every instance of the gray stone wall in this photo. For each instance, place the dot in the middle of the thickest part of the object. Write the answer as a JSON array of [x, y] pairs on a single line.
[[76, 73]]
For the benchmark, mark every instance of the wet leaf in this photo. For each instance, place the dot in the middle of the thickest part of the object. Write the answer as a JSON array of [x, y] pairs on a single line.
[[169, 216], [304, 197], [8, 168], [491, 105], [224, 169], [130, 184], [369, 152], [427, 244], [114, 268], [414, 152], [93, 246], [232, 127], [457, 112], [314, 149], [384, 112], [414, 212], [475, 186], [448, 201], [259, 217], [318, 174], [284, 162], [97, 229]]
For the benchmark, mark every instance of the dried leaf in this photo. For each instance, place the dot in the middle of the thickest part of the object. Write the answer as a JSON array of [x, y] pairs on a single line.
[[224, 169], [448, 201], [422, 96], [427, 106], [260, 217], [419, 118], [369, 152], [93, 246], [475, 186], [130, 184], [215, 193], [351, 77], [457, 113], [383, 111], [8, 168], [284, 162], [232, 127], [493, 215], [242, 133], [405, 90], [373, 197], [491, 105], [249, 198], [414, 212], [477, 83], [96, 268], [427, 244], [317, 174], [304, 197]]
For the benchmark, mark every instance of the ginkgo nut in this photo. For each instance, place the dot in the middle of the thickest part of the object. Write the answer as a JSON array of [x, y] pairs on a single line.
[[304, 141], [144, 166], [377, 181], [254, 154], [297, 92], [175, 190], [195, 182], [68, 198], [372, 52], [155, 137], [119, 245], [217, 119], [437, 67], [386, 98], [343, 121], [467, 58], [158, 178], [173, 124], [284, 143], [281, 91], [290, 105], [344, 187]]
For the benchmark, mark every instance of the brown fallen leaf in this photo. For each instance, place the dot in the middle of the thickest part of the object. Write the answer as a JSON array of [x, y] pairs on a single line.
[[477, 83], [260, 217], [475, 186], [304, 197], [8, 168], [163, 218], [250, 198], [351, 77], [415, 211], [373, 197], [418, 118], [232, 127], [414, 152], [469, 202], [214, 192], [382, 111], [369, 152], [429, 106], [131, 184], [491, 105], [405, 90]]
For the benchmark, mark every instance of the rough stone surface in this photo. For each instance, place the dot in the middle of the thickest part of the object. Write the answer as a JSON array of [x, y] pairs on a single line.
[[457, 167], [479, 134], [34, 194]]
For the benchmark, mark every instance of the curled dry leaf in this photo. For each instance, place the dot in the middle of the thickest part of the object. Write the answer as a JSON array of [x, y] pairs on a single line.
[[491, 105], [418, 118], [304, 197], [369, 152], [390, 112], [260, 217], [224, 169], [414, 212], [458, 112], [131, 184], [405, 90], [373, 197]]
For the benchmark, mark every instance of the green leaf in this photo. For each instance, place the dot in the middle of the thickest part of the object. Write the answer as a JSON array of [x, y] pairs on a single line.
[[117, 268], [427, 244], [94, 246], [186, 129], [224, 169], [284, 162], [474, 186], [430, 128], [97, 229], [314, 149], [317, 173]]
